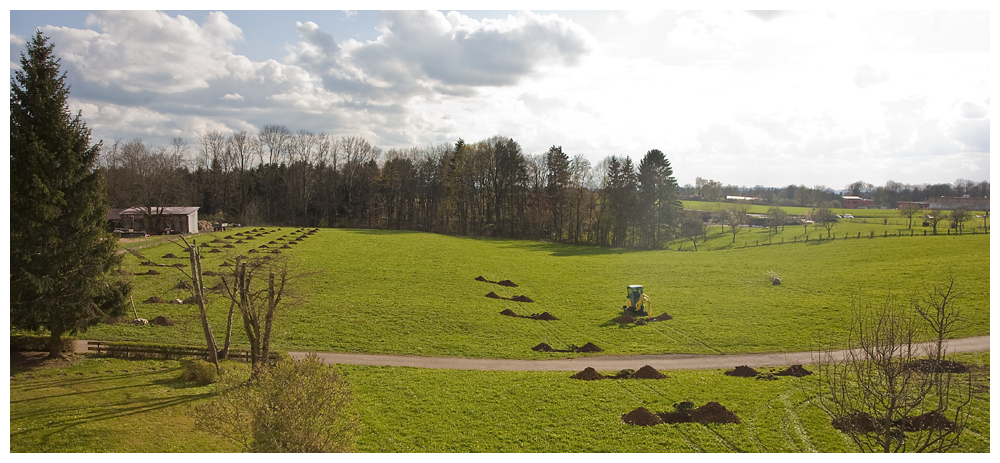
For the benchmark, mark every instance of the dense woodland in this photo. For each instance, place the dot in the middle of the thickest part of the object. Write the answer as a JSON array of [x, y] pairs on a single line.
[[487, 188]]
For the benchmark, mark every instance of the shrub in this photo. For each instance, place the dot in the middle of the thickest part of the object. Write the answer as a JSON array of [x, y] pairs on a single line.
[[38, 343], [199, 370], [292, 407]]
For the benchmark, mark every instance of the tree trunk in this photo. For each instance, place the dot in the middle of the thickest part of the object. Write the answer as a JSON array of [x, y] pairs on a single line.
[[199, 293], [55, 338]]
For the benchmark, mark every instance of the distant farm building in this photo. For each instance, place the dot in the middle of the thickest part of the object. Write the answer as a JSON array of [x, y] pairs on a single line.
[[857, 202], [913, 204], [741, 198], [951, 203], [159, 220]]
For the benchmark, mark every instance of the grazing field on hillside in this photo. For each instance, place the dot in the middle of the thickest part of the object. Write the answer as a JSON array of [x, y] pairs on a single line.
[[114, 406], [417, 293]]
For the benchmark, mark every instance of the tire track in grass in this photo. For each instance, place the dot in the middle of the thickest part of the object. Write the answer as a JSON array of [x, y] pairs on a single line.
[[791, 425]]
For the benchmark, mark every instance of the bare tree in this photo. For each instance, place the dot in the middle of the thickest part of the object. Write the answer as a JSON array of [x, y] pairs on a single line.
[[824, 217], [937, 307], [737, 216], [958, 217], [876, 395], [256, 287], [909, 210]]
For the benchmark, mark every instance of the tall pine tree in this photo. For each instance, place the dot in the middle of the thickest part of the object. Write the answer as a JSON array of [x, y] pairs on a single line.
[[62, 256]]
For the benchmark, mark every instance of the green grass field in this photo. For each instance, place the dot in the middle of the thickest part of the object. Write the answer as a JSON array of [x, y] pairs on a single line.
[[415, 293], [114, 406]]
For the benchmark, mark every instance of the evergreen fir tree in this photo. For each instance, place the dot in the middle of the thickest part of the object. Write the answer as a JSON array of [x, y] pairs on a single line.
[[61, 253]]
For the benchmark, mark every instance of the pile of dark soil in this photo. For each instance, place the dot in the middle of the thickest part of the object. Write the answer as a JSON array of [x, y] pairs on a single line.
[[209, 273], [713, 412], [263, 246], [190, 300], [215, 250], [931, 420], [641, 417], [275, 251], [230, 237], [521, 299], [543, 347], [480, 278], [285, 246], [647, 372], [155, 300], [625, 319], [183, 285], [218, 241], [855, 422], [170, 256], [238, 234], [205, 245], [509, 313], [228, 246], [662, 317], [674, 417], [150, 272], [588, 374], [743, 371], [795, 370], [543, 316], [272, 242], [252, 251], [240, 242], [937, 366], [493, 295], [507, 283], [179, 265], [162, 321], [293, 242], [589, 347]]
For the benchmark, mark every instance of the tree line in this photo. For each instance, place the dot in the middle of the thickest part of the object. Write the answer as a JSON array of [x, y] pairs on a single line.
[[487, 188]]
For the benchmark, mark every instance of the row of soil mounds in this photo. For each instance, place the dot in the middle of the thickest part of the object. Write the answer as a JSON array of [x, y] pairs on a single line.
[[864, 423], [628, 318], [586, 348], [534, 316], [493, 295], [507, 283], [646, 372], [744, 371], [712, 412]]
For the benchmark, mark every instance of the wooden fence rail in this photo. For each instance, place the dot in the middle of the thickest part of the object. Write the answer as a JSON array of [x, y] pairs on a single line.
[[147, 351]]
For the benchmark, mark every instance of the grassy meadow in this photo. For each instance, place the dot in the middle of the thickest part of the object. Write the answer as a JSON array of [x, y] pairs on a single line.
[[398, 292], [142, 406]]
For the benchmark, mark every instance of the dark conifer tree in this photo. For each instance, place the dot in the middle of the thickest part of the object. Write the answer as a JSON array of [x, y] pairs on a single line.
[[61, 253]]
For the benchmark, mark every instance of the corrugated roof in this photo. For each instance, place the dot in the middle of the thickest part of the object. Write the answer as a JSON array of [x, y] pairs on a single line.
[[164, 210]]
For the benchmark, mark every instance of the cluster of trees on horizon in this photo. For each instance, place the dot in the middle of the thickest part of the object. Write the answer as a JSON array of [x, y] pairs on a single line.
[[486, 188]]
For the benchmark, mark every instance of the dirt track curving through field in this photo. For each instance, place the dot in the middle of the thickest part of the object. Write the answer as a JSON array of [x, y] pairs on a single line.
[[617, 362]]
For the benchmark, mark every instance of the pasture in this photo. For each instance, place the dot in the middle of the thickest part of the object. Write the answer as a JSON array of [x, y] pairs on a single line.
[[415, 293], [113, 405]]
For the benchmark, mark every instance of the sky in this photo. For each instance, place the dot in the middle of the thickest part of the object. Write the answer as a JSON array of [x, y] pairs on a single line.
[[766, 97]]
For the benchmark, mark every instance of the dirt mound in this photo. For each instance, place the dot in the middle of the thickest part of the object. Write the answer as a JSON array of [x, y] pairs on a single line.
[[662, 317], [150, 272], [713, 412], [480, 278], [625, 319], [588, 374], [589, 347], [170, 256], [209, 273], [507, 283], [252, 251], [937, 366], [674, 417], [179, 265], [521, 299], [183, 285], [855, 422], [743, 371], [493, 295], [641, 417], [285, 246], [272, 242], [795, 370], [544, 316], [215, 250], [293, 242], [509, 313], [647, 372], [155, 300], [205, 245], [162, 321], [930, 420], [190, 300], [542, 347], [230, 237], [218, 241]]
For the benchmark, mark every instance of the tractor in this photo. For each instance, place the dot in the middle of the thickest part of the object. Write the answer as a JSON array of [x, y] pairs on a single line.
[[636, 303]]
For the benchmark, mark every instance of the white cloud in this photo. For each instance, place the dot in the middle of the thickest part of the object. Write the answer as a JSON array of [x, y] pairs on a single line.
[[232, 97], [866, 76]]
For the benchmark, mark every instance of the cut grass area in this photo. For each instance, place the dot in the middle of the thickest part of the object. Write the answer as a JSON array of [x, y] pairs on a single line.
[[414, 293], [110, 405]]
